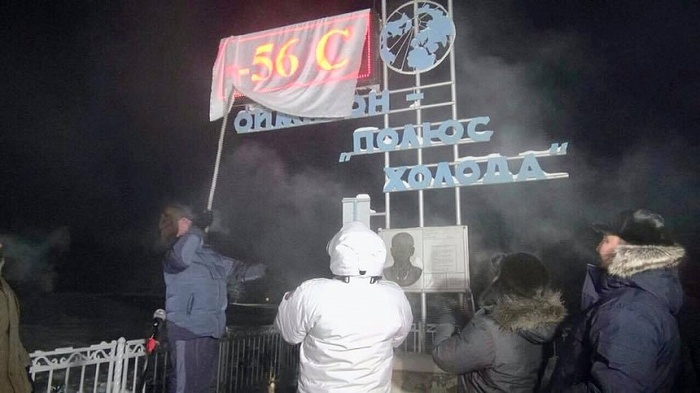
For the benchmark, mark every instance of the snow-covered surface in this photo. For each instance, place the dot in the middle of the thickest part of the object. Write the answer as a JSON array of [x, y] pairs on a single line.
[[59, 320], [51, 321]]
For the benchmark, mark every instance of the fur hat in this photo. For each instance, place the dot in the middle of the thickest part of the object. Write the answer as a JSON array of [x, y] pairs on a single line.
[[522, 274], [638, 227]]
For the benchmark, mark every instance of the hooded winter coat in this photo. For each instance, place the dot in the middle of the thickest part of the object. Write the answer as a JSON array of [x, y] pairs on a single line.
[[627, 338], [501, 348], [13, 357], [347, 326], [196, 279]]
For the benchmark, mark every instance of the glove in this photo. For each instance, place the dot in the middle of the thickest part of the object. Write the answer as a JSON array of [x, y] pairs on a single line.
[[203, 218], [443, 331]]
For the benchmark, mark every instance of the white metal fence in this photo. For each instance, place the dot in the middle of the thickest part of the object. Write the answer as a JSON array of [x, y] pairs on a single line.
[[97, 368], [250, 360]]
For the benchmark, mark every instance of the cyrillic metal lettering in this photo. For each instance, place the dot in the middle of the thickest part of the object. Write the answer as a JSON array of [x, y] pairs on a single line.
[[497, 171], [555, 149], [243, 122], [530, 169], [419, 177], [394, 182], [359, 106], [443, 176], [409, 138], [283, 120], [387, 139], [479, 136], [263, 119], [455, 136], [360, 134], [378, 101], [460, 172], [430, 134]]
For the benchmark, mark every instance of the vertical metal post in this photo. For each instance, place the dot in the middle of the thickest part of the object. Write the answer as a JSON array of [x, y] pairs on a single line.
[[118, 366], [419, 121], [385, 88], [453, 92], [421, 325]]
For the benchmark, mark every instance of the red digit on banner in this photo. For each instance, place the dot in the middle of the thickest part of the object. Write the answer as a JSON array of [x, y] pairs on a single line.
[[262, 59], [321, 58], [292, 61]]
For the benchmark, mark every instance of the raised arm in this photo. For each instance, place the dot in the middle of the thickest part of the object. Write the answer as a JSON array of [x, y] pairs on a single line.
[[182, 253], [472, 349]]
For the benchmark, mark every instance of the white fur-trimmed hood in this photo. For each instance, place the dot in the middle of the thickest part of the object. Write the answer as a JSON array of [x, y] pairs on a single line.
[[633, 259], [356, 250]]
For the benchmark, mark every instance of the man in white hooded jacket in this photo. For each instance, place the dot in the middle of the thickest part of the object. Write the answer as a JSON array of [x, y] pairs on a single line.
[[348, 325]]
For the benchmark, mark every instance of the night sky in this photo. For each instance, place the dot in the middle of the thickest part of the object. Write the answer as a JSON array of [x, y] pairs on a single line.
[[105, 117]]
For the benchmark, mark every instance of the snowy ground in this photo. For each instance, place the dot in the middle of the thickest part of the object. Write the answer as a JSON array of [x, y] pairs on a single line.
[[76, 320]]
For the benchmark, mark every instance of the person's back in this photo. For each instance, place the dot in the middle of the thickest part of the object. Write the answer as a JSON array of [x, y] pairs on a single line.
[[356, 325], [349, 325], [517, 356], [501, 348]]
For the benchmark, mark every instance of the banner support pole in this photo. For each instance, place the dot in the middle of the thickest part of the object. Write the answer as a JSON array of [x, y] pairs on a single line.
[[220, 148]]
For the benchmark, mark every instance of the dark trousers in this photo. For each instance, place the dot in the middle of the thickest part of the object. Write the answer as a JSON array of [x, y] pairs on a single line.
[[194, 365]]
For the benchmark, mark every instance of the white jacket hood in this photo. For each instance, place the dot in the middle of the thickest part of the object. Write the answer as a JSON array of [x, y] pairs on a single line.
[[356, 249]]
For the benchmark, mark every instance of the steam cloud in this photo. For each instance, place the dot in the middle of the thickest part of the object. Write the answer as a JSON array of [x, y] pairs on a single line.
[[552, 88], [30, 259], [539, 87], [267, 213]]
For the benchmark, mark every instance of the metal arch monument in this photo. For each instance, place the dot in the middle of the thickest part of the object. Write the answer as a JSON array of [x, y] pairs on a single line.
[[404, 61]]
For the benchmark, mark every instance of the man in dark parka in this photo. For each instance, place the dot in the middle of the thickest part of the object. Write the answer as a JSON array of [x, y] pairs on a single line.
[[626, 339]]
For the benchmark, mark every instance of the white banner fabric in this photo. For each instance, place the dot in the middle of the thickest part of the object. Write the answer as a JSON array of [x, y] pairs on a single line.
[[308, 69]]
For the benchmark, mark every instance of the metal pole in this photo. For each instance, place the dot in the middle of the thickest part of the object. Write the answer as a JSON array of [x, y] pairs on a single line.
[[219, 150]]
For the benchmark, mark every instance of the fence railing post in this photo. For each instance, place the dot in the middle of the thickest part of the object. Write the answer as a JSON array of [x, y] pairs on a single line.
[[118, 366], [250, 358]]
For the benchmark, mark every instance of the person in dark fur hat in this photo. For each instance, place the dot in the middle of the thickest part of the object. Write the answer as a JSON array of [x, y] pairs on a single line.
[[501, 348], [626, 339]]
